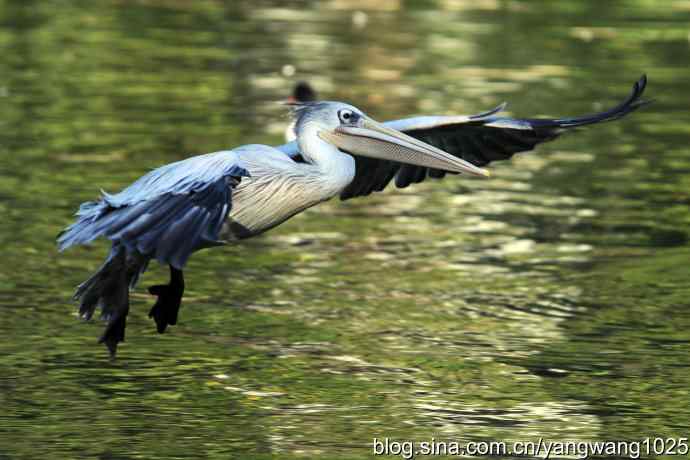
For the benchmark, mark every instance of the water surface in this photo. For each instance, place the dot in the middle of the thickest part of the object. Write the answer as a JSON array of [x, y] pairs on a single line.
[[548, 301]]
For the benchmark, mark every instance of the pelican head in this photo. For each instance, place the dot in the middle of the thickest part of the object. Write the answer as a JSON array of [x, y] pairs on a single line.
[[350, 130]]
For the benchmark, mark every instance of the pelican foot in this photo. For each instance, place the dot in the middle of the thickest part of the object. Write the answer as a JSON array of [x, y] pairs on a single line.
[[115, 331], [164, 311]]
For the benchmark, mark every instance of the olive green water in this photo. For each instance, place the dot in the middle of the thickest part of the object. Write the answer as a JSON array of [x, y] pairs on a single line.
[[551, 300]]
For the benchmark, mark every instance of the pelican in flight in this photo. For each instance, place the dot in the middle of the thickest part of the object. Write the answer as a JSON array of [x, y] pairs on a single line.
[[227, 196]]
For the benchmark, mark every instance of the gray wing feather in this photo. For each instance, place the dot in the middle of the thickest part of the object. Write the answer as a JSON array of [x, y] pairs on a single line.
[[479, 139], [166, 214], [290, 149]]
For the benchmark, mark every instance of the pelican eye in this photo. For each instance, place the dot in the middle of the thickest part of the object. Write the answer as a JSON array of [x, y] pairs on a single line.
[[347, 116]]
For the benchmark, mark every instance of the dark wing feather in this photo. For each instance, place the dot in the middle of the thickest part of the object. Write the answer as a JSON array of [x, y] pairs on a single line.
[[479, 139], [167, 214]]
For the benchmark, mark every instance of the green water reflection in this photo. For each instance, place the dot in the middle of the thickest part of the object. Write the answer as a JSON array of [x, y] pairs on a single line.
[[548, 301]]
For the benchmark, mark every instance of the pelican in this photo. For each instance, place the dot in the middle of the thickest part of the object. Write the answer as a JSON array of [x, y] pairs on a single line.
[[227, 196]]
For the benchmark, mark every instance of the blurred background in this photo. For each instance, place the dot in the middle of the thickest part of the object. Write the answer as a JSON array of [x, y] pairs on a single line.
[[550, 300]]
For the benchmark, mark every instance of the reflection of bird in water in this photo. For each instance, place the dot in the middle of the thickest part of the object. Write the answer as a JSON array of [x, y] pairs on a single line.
[[228, 196], [301, 93]]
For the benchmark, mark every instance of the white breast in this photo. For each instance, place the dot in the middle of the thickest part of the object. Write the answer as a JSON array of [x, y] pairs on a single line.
[[278, 188]]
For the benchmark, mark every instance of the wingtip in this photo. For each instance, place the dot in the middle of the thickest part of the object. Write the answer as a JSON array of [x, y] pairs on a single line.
[[643, 102], [499, 108], [639, 87]]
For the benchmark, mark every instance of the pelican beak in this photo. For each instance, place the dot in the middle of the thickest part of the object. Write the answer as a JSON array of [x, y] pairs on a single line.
[[374, 140]]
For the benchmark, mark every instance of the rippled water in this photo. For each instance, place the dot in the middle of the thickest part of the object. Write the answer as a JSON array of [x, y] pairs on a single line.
[[548, 301]]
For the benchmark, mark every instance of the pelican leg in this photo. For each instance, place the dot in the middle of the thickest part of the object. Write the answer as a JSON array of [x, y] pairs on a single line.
[[115, 297], [115, 330], [164, 311]]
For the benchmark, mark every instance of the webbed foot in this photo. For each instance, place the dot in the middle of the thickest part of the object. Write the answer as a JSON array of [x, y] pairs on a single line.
[[166, 308]]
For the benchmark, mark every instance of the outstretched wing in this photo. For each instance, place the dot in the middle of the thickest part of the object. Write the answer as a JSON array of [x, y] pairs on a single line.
[[479, 139], [166, 214]]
